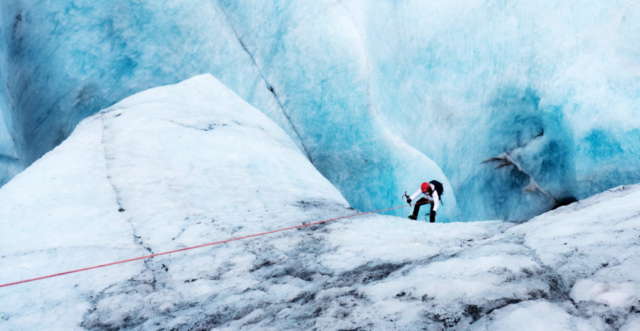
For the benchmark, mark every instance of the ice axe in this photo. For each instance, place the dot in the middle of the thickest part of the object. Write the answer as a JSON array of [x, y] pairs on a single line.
[[405, 196]]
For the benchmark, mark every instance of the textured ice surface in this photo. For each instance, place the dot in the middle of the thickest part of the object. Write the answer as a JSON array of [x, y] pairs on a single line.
[[63, 61], [69, 59], [10, 161], [553, 83], [370, 91], [192, 163]]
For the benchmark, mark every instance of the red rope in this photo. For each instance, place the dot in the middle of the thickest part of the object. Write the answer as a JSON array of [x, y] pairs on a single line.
[[193, 247]]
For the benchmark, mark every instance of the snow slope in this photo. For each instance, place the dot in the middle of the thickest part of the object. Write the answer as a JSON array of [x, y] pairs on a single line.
[[192, 163], [172, 167]]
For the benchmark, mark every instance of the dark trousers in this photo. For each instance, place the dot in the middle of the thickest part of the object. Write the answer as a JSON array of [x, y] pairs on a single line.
[[416, 209]]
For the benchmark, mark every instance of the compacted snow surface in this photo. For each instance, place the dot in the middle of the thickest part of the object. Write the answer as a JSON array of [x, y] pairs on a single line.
[[192, 163]]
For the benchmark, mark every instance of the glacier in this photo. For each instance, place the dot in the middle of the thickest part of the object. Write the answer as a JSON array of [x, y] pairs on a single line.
[[70, 59], [186, 164], [380, 96]]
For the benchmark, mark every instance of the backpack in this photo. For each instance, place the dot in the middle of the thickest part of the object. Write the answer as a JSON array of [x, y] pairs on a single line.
[[439, 188]]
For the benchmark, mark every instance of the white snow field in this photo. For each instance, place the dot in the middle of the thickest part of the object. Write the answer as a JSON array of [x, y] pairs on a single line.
[[192, 163]]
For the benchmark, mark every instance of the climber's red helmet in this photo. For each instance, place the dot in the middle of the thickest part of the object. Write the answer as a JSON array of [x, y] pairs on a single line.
[[424, 187]]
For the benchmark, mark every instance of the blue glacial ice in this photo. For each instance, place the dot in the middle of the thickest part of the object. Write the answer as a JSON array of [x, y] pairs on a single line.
[[10, 162], [555, 84], [80, 57], [379, 95]]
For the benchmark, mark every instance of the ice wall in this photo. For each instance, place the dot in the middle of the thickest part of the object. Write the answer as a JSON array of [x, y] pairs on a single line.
[[69, 59], [315, 59], [554, 83], [380, 95], [74, 58], [10, 163]]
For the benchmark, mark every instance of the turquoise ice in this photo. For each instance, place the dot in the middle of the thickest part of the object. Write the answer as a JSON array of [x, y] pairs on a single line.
[[379, 95]]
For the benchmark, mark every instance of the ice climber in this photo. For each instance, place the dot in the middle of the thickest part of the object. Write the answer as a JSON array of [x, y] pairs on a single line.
[[432, 193]]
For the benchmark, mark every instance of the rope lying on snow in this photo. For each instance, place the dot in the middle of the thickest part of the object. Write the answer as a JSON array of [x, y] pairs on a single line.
[[194, 247]]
